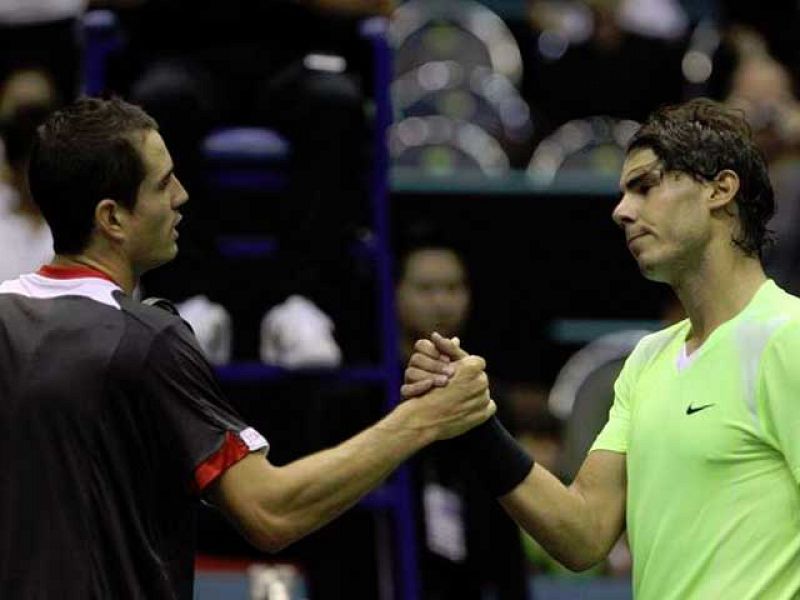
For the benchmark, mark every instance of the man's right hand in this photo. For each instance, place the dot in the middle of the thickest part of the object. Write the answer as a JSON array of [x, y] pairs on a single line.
[[430, 365], [457, 407]]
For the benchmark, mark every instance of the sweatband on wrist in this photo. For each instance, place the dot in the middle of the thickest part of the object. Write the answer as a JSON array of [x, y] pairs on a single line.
[[496, 457]]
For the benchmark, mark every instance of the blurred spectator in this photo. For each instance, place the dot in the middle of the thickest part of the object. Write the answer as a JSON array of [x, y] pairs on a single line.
[[26, 98], [763, 88], [468, 548], [46, 35], [432, 294], [26, 87], [776, 22], [43, 34], [21, 88], [601, 57]]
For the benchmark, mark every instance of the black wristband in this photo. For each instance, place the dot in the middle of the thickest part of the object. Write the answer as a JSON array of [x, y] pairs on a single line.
[[495, 456]]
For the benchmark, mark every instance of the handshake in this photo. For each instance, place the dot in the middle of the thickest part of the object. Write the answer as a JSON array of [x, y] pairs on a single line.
[[446, 390]]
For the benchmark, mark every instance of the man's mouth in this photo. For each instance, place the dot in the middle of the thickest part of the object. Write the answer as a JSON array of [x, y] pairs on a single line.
[[636, 236]]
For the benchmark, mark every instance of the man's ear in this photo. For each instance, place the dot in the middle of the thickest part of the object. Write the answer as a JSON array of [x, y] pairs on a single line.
[[110, 219], [724, 188]]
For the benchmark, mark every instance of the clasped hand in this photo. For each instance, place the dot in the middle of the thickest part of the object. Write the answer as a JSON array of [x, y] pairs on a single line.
[[456, 382]]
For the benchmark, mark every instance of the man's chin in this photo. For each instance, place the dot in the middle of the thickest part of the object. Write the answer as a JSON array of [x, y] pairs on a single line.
[[653, 273], [164, 258]]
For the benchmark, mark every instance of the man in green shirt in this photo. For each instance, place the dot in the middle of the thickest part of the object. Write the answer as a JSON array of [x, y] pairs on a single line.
[[700, 458]]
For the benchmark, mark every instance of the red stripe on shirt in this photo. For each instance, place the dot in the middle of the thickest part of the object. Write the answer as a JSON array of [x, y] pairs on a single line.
[[76, 272], [232, 451]]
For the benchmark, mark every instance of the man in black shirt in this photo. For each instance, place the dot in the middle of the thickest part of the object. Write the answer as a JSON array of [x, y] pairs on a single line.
[[111, 423]]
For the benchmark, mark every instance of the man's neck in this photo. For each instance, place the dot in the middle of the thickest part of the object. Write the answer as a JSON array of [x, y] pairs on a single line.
[[717, 292], [124, 277]]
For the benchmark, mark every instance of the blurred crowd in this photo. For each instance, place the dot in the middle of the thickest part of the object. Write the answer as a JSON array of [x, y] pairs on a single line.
[[553, 91]]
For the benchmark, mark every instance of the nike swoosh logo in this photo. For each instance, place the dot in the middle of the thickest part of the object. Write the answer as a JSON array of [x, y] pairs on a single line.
[[690, 410]]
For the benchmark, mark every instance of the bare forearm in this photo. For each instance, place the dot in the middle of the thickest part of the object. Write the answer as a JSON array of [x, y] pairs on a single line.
[[274, 506], [308, 493], [555, 516], [577, 528]]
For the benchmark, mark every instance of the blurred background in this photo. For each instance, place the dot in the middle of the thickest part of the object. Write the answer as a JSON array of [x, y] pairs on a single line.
[[364, 172]]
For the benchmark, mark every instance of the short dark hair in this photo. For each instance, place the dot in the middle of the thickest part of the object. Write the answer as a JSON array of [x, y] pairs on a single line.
[[702, 138], [424, 235], [82, 154]]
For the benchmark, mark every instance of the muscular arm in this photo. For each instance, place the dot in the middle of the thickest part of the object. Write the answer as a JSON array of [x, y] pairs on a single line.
[[274, 506], [576, 524]]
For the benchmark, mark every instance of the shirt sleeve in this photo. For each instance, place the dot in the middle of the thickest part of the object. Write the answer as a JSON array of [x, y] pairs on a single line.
[[614, 435], [779, 395], [203, 431]]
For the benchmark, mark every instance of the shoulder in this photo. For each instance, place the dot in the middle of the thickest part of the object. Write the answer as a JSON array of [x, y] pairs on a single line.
[[784, 335], [771, 299], [773, 318], [155, 331], [153, 315]]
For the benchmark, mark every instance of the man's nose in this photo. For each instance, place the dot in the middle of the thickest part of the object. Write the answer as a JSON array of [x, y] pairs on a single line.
[[183, 195], [624, 211], [442, 298]]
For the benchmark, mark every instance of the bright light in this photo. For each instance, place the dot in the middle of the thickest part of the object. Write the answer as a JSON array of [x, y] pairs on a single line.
[[697, 66]]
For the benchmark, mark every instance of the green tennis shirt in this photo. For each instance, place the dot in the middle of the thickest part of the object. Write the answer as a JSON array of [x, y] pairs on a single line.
[[712, 444]]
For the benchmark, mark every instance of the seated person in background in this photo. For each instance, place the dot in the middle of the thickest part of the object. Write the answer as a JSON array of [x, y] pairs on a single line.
[[29, 86], [46, 34], [778, 27], [468, 548], [43, 34], [763, 88], [26, 98]]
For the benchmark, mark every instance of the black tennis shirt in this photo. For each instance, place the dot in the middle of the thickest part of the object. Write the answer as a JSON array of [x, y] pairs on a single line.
[[111, 426]]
